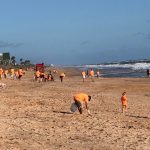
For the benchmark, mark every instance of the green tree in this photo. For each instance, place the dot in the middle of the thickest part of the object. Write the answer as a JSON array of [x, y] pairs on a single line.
[[21, 60], [27, 63], [6, 58], [13, 60]]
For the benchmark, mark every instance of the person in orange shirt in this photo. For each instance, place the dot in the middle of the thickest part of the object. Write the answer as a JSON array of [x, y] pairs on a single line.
[[16, 74], [42, 74], [81, 99], [92, 74], [20, 73], [1, 73], [5, 73], [83, 75], [12, 73], [37, 75], [62, 75], [124, 102]]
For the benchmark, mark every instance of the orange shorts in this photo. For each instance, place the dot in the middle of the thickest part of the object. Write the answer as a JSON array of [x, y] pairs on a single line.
[[124, 103]]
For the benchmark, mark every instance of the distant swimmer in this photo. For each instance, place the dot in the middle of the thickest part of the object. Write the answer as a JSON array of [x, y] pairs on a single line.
[[81, 99], [124, 102], [62, 75]]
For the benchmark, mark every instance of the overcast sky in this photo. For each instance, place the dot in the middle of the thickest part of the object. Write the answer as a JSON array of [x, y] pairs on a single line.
[[72, 32]]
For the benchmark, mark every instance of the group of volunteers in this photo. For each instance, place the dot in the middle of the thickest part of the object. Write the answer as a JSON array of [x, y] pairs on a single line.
[[12, 73], [90, 73], [47, 76], [44, 76]]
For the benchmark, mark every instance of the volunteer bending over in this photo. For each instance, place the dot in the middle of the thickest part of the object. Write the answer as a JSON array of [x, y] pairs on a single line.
[[81, 99]]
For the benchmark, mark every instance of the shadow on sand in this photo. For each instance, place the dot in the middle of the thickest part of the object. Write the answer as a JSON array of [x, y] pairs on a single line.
[[144, 117], [62, 112]]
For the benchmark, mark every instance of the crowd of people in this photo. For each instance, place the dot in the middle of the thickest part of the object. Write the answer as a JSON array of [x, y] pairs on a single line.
[[11, 73], [90, 73], [80, 99], [48, 76]]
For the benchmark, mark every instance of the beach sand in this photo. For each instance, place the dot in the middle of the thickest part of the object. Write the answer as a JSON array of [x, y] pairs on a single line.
[[36, 116]]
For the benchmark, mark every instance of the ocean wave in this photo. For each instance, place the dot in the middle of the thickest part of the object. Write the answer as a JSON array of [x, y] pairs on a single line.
[[136, 66]]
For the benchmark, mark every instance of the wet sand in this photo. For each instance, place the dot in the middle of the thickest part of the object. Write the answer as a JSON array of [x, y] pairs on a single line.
[[36, 116]]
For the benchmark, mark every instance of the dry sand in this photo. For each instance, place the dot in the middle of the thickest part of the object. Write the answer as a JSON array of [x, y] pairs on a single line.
[[35, 116]]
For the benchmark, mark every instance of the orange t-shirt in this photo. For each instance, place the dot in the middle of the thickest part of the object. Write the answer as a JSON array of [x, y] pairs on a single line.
[[124, 100], [81, 97], [83, 73], [20, 72], [6, 72], [62, 74], [91, 73], [1, 71], [16, 73], [12, 71], [38, 74]]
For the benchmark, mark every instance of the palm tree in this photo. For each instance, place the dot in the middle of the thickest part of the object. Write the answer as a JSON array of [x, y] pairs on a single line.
[[13, 60], [21, 60]]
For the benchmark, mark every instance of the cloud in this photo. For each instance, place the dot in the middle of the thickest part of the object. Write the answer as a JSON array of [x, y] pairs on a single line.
[[7, 44], [139, 34], [85, 42], [145, 35]]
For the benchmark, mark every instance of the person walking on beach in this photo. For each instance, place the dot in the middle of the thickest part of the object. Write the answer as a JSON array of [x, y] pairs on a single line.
[[87, 73], [81, 99], [98, 74], [12, 73], [5, 73], [62, 75], [92, 75], [148, 72], [20, 73], [1, 73], [83, 75], [124, 102], [16, 74], [37, 75]]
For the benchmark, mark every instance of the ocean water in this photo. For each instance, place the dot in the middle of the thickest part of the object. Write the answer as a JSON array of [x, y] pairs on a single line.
[[135, 69]]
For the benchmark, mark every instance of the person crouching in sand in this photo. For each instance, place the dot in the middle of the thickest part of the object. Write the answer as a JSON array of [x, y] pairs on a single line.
[[124, 102], [81, 99]]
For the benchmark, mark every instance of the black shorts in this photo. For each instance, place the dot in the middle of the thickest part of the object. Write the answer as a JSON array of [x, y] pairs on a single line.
[[20, 76], [79, 105]]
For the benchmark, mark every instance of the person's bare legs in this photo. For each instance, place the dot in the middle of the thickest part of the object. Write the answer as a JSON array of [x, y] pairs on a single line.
[[80, 110], [124, 107]]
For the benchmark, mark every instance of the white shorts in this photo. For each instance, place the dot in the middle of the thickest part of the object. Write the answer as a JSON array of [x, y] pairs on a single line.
[[83, 77]]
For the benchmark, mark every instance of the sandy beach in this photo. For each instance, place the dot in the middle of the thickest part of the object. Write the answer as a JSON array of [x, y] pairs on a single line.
[[36, 116]]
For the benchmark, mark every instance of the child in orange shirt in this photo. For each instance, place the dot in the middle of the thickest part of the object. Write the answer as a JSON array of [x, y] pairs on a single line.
[[124, 102]]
